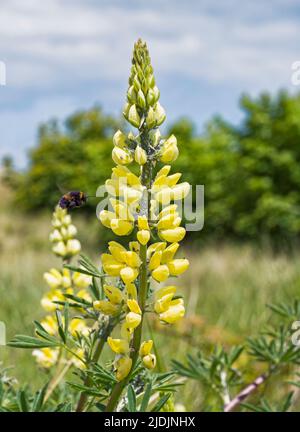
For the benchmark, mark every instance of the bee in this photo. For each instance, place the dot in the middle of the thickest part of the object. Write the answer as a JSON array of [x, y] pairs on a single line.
[[73, 199]]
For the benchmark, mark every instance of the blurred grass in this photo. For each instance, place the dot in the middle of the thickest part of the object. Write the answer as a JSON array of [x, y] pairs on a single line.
[[226, 289]]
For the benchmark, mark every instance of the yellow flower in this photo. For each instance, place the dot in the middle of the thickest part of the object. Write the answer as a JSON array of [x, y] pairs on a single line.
[[174, 313], [123, 367], [178, 266], [149, 361], [169, 151], [143, 236], [160, 293], [143, 223], [79, 362], [117, 250], [131, 291], [172, 235], [146, 348], [162, 304], [78, 325], [81, 281], [106, 307], [161, 273], [106, 217], [155, 260], [66, 278], [159, 246], [114, 294], [128, 274], [50, 324], [132, 259], [126, 331], [59, 249], [119, 346], [169, 253], [134, 306], [48, 300], [110, 265], [133, 320], [45, 357], [53, 278], [121, 227]]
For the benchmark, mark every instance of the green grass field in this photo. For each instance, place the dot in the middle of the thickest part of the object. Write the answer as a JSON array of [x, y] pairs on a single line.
[[226, 289]]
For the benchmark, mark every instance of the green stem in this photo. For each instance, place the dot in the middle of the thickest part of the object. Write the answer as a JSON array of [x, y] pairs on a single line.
[[142, 296], [99, 347]]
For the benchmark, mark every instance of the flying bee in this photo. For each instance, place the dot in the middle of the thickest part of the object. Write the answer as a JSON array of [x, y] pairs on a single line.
[[73, 199]]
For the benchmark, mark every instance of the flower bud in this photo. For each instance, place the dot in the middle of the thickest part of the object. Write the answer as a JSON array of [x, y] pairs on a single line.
[[140, 155], [59, 249], [151, 120], [73, 247], [141, 101], [169, 154], [160, 114], [143, 236], [133, 116], [131, 95], [119, 139], [55, 236], [121, 156]]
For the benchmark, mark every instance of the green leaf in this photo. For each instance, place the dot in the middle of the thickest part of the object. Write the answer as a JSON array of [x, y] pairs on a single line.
[[131, 399], [39, 400], [161, 403], [146, 398], [29, 342], [22, 401]]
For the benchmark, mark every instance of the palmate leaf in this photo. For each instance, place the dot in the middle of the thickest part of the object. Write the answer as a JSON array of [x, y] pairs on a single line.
[[30, 342]]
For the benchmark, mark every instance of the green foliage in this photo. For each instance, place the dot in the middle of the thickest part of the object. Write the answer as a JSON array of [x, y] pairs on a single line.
[[225, 381], [250, 172], [76, 156]]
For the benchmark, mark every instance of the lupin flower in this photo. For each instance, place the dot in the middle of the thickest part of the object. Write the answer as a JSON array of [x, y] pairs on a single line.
[[135, 208], [61, 283], [62, 236]]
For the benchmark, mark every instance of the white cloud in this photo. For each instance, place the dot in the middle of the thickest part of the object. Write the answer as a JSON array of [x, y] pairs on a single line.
[[55, 47]]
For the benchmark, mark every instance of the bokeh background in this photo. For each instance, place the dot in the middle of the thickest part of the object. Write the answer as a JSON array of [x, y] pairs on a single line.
[[224, 70]]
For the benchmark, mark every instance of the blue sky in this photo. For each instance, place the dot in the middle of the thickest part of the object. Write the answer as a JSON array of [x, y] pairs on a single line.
[[63, 55]]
